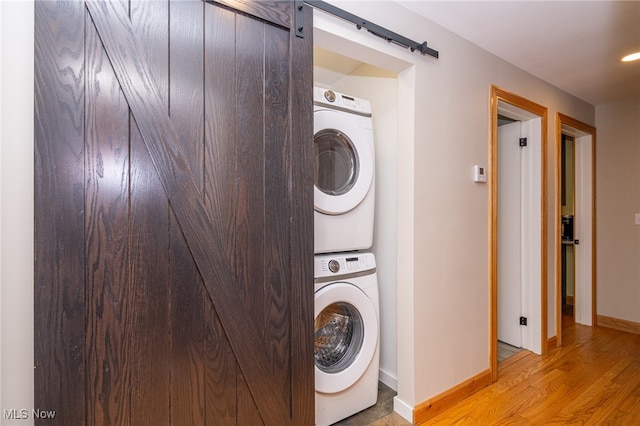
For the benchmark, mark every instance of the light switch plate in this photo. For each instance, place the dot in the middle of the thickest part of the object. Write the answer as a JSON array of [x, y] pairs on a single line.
[[637, 218], [479, 174]]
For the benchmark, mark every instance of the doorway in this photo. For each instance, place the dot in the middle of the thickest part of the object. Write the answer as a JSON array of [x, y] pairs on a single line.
[[575, 253], [517, 256], [344, 61]]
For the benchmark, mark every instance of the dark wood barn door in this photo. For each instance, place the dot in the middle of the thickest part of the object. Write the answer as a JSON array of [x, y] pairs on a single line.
[[174, 243]]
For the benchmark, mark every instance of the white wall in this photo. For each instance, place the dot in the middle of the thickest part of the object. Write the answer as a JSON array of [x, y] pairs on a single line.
[[442, 215], [617, 203], [16, 208]]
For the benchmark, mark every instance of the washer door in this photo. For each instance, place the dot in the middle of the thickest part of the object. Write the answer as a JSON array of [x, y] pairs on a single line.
[[344, 162], [345, 336]]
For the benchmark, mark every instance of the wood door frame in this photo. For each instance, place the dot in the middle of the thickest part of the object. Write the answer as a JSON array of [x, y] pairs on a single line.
[[564, 120], [496, 95]]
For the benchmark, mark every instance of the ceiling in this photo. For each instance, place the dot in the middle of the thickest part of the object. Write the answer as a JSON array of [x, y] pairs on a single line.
[[574, 45]]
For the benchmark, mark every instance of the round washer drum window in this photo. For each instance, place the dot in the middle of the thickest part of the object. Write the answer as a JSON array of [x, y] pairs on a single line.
[[336, 162], [339, 331]]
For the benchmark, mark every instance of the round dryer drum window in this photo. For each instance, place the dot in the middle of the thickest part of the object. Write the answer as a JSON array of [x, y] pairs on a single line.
[[339, 331], [336, 162], [344, 161]]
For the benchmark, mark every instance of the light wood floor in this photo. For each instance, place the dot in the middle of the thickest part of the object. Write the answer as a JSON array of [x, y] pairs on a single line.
[[593, 379]]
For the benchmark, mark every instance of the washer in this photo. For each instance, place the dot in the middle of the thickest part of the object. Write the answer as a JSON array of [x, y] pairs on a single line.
[[346, 336], [344, 190]]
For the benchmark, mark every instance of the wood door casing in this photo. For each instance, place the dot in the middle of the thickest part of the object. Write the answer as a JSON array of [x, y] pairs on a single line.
[[139, 285]]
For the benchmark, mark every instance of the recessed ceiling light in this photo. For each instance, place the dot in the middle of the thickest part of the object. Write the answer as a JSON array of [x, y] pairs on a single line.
[[632, 57]]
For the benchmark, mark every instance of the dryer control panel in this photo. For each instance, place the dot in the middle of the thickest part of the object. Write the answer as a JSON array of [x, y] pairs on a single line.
[[340, 101], [336, 264]]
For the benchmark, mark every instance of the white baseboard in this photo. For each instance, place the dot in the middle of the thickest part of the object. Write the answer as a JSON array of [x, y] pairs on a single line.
[[402, 408], [389, 380]]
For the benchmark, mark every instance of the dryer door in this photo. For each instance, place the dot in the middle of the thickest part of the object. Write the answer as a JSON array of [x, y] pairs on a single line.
[[344, 161], [345, 336]]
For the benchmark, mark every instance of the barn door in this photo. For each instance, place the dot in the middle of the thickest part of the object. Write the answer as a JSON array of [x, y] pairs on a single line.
[[174, 209]]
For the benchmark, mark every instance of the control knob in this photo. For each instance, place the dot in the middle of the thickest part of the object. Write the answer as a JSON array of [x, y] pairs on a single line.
[[330, 96]]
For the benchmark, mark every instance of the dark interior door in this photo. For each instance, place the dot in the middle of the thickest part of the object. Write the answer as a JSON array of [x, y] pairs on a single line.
[[174, 242]]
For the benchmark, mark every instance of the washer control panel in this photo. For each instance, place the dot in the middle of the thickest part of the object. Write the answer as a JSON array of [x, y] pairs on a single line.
[[336, 264]]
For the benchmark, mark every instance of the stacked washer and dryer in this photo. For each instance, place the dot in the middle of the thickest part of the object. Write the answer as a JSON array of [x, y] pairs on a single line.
[[346, 337]]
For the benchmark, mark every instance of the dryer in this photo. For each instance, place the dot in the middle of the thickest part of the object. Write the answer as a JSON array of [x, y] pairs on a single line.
[[346, 335], [344, 189]]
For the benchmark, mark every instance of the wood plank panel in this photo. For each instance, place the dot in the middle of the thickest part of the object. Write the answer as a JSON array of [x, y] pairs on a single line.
[[220, 122], [277, 206], [220, 194], [301, 245], [189, 305], [149, 240], [249, 208], [248, 413], [249, 220], [59, 290], [275, 11], [107, 241]]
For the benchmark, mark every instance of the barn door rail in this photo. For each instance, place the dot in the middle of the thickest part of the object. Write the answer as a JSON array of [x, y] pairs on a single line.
[[360, 23]]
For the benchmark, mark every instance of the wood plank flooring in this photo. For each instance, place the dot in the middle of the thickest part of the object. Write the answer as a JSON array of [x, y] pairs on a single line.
[[593, 379]]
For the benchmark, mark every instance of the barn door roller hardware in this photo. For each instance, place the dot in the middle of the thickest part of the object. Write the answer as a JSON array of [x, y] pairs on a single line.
[[386, 34]]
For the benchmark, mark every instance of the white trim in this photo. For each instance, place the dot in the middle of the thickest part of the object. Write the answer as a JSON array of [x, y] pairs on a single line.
[[403, 409], [16, 204], [389, 379]]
